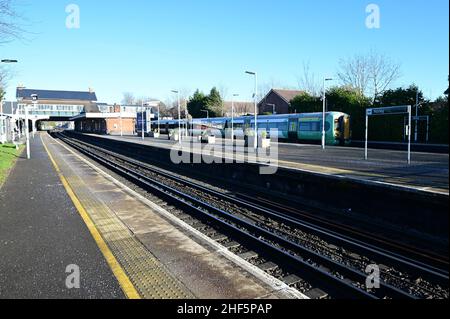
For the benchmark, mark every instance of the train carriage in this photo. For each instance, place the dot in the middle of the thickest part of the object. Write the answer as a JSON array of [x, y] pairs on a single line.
[[305, 127]]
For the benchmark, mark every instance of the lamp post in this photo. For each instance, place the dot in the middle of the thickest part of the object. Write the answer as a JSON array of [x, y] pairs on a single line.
[[179, 114], [121, 122], [324, 110], [416, 132], [142, 121], [187, 117], [159, 119], [255, 95], [232, 117]]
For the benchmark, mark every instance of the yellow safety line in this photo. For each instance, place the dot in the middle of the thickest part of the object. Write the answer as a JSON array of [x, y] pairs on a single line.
[[125, 283]]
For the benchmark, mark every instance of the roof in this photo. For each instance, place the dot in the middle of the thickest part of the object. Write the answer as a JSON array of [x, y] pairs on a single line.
[[103, 116], [91, 108], [56, 95], [287, 95]]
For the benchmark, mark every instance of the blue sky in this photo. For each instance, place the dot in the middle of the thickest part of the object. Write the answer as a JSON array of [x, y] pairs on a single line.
[[150, 47]]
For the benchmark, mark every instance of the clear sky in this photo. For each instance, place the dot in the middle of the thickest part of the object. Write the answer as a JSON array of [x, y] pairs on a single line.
[[150, 47]]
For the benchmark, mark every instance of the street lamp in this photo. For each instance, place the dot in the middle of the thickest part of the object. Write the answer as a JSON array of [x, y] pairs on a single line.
[[232, 116], [324, 110], [179, 114], [159, 119], [256, 106], [187, 118], [142, 121], [121, 121], [416, 133]]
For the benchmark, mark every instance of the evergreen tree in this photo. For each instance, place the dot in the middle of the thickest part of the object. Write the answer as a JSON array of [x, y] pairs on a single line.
[[214, 103], [196, 104]]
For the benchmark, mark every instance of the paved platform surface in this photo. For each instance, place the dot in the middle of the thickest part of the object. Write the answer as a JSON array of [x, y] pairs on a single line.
[[160, 255], [41, 233], [428, 172]]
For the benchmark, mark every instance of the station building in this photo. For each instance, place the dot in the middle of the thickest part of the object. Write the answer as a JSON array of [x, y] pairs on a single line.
[[113, 122], [56, 104]]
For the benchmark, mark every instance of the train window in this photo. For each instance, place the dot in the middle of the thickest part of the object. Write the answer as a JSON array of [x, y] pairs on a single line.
[[305, 126], [313, 126]]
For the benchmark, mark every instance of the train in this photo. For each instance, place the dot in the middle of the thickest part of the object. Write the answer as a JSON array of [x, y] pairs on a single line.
[[304, 127]]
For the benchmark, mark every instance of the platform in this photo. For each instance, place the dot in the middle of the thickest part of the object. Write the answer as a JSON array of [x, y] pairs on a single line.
[[41, 233], [148, 252], [428, 172]]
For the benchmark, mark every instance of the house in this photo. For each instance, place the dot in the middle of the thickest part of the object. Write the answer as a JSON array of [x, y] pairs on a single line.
[[240, 108], [277, 101]]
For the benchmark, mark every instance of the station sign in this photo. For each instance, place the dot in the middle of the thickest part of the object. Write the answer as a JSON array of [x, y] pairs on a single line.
[[392, 110], [144, 120], [421, 118]]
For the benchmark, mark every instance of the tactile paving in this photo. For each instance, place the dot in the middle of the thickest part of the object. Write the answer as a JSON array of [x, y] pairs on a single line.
[[148, 275]]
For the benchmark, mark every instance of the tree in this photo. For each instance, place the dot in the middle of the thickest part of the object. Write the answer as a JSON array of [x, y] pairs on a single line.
[[354, 72], [390, 128], [128, 99], [196, 104], [5, 75], [305, 103], [349, 100], [370, 74], [438, 111], [214, 103], [2, 93], [200, 102], [308, 81], [382, 73], [401, 96], [9, 28]]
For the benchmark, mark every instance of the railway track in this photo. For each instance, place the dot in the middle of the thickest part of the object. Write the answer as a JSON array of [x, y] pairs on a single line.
[[324, 258]]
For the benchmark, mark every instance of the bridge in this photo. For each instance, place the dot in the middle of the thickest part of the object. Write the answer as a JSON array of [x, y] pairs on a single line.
[[51, 105]]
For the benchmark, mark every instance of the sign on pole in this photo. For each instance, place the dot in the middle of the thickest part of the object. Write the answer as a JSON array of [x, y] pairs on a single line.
[[392, 110]]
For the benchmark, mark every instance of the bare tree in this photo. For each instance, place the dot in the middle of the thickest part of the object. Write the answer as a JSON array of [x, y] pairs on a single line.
[[355, 72], [308, 81], [370, 74], [9, 28], [8, 31], [382, 72], [244, 108], [265, 87], [128, 98]]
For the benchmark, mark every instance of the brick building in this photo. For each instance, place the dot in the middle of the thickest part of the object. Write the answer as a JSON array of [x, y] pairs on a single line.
[[112, 123], [277, 101]]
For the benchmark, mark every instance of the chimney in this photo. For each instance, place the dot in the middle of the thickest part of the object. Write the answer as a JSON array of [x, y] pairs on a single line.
[[91, 90], [116, 108]]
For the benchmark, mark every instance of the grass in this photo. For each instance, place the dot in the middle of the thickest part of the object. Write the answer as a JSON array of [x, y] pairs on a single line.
[[8, 157]]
